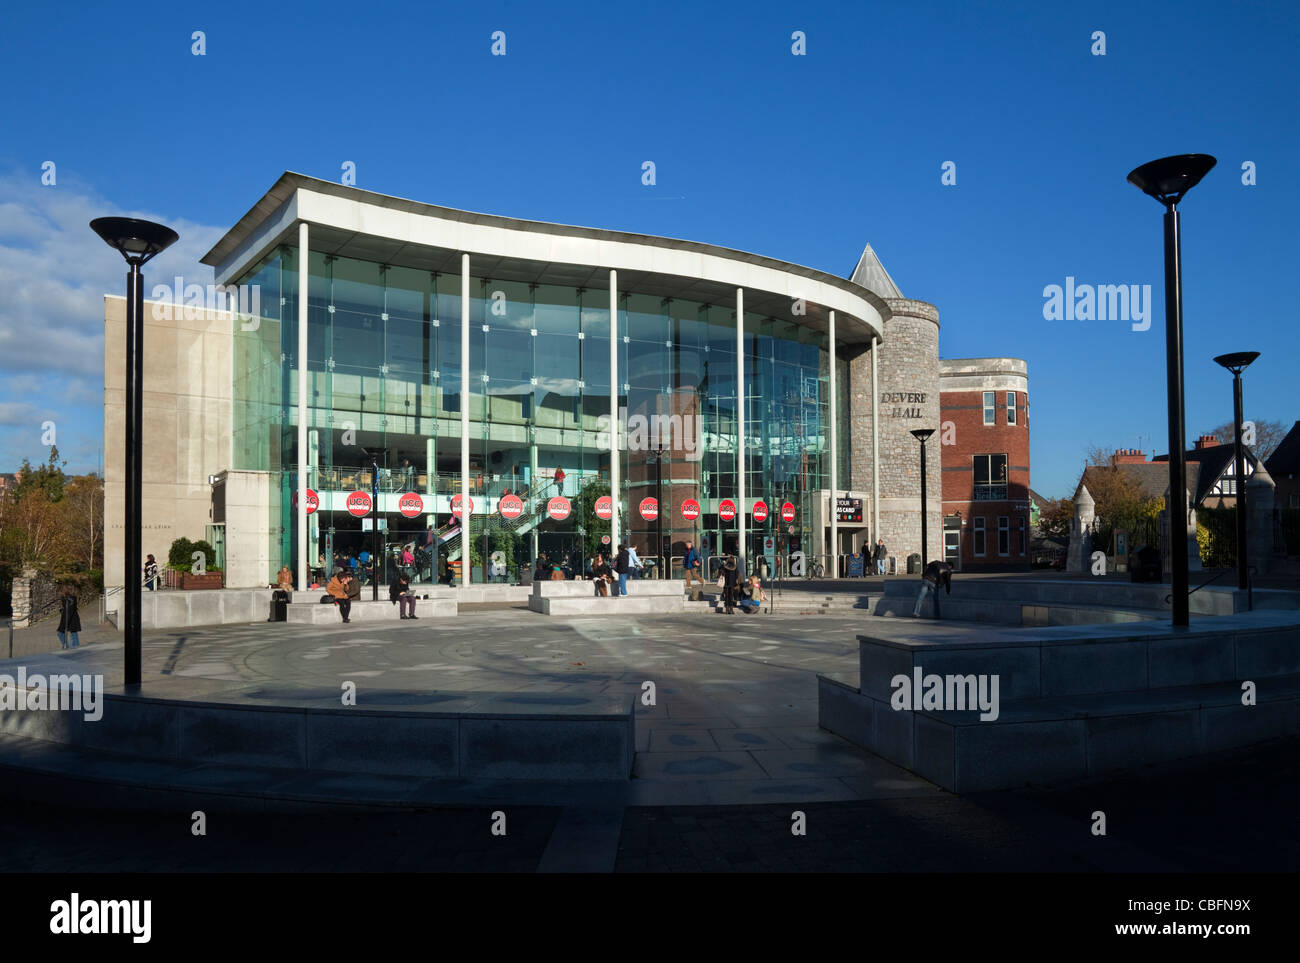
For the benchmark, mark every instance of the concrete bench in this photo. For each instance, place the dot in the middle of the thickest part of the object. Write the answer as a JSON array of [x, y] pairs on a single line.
[[644, 597], [318, 613]]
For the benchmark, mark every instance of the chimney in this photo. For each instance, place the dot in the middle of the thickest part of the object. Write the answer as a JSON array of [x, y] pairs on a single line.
[[1128, 456], [1207, 441]]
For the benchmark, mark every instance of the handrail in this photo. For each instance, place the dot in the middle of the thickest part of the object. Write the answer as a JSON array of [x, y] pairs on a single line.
[[1169, 599]]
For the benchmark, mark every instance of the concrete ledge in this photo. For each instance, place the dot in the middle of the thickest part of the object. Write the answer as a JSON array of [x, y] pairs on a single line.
[[636, 588], [505, 735], [1044, 741], [318, 613], [613, 605]]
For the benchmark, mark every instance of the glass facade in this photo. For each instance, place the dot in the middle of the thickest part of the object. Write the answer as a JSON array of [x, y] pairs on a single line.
[[386, 390]]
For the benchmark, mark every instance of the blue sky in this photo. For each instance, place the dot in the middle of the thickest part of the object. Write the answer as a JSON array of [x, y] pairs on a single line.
[[803, 158]]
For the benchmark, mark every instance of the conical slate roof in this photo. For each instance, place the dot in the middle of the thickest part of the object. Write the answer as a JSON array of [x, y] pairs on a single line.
[[871, 274]]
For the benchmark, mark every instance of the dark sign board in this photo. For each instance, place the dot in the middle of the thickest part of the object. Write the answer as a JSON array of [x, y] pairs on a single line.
[[848, 509]]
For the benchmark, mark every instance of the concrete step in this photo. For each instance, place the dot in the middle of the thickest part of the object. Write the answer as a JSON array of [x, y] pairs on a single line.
[[309, 613]]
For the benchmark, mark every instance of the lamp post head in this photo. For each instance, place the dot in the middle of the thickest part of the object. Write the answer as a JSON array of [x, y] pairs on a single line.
[[1237, 361], [136, 240], [1170, 178], [921, 434]]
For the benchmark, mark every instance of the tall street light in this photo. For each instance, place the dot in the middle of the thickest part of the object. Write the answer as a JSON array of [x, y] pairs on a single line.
[[1237, 362], [1168, 180], [138, 242], [921, 435]]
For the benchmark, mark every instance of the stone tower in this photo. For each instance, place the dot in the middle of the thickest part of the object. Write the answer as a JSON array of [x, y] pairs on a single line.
[[906, 397], [1079, 558]]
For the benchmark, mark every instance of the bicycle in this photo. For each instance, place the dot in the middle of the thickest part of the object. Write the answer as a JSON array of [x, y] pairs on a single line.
[[815, 569]]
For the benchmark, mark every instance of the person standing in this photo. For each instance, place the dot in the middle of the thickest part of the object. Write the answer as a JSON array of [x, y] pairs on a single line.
[[633, 562], [936, 573], [879, 557], [69, 619], [691, 566], [730, 581], [337, 589], [621, 566], [399, 591], [559, 481], [408, 560], [151, 573]]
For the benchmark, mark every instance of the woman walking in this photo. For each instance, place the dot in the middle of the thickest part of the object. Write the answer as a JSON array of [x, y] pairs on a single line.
[[69, 620]]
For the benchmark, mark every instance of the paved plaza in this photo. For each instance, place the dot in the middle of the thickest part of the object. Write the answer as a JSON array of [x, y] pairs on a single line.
[[726, 757]]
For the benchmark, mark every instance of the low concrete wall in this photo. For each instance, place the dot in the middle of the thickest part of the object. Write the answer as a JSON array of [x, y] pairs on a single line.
[[318, 613], [1211, 600], [644, 597], [1073, 701], [512, 737]]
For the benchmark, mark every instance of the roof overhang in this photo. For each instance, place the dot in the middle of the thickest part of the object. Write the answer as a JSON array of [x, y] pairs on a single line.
[[348, 222]]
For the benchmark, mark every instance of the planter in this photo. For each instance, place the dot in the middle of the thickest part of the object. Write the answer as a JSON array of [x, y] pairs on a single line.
[[208, 580]]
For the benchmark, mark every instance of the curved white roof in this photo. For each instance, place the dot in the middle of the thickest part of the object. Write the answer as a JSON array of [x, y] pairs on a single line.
[[349, 222]]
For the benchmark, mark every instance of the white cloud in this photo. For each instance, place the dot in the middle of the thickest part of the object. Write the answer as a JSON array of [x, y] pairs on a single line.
[[54, 272]]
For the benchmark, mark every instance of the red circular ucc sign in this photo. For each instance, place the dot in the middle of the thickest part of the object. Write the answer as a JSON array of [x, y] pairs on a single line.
[[359, 504], [410, 504], [649, 509], [760, 511]]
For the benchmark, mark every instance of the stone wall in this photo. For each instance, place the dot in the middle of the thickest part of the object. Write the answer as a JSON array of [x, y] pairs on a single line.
[[908, 398]]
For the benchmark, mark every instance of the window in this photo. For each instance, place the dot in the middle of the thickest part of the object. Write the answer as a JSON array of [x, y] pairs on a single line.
[[990, 478], [979, 537], [1011, 407], [1022, 536], [1004, 535], [990, 408]]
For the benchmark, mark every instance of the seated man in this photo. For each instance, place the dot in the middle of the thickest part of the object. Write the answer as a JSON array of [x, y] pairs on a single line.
[[337, 592], [752, 596], [400, 592]]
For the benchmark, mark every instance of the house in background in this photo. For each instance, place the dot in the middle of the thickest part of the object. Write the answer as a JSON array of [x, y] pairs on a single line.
[[1284, 466]]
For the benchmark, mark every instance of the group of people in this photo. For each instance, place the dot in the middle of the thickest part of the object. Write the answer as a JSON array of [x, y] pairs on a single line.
[[739, 592], [344, 589]]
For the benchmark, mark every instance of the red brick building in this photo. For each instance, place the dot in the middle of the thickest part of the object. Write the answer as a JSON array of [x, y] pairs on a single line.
[[984, 433]]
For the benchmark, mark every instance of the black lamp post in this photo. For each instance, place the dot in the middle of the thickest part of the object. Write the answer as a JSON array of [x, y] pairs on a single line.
[[1168, 180], [1238, 362], [137, 241], [921, 435]]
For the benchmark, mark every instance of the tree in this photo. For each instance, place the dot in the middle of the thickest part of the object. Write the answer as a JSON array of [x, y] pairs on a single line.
[[83, 519], [47, 479], [1268, 435], [1055, 517], [1120, 501]]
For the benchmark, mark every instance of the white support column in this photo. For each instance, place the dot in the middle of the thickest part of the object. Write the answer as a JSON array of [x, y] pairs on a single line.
[[303, 481], [614, 440], [875, 446], [464, 421], [740, 423], [833, 568]]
